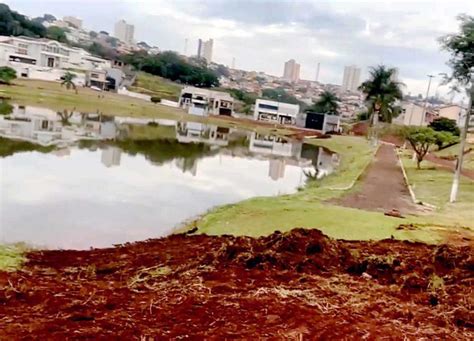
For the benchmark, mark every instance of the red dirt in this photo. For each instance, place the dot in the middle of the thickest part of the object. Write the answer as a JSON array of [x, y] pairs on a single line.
[[383, 186], [298, 286]]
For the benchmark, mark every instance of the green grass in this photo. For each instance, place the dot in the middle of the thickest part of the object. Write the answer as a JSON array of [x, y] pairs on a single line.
[[453, 151], [11, 257], [433, 185], [156, 86], [9, 147]]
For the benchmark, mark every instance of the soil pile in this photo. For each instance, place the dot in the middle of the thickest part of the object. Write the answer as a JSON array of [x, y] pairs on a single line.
[[297, 285]]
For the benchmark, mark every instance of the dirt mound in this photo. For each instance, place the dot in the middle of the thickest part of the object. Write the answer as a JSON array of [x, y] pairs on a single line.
[[296, 285]]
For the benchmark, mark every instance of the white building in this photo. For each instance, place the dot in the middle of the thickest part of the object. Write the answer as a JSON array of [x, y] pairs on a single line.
[[276, 112], [76, 22], [351, 79], [412, 114], [111, 156], [203, 102], [27, 55], [291, 71], [205, 49], [124, 31]]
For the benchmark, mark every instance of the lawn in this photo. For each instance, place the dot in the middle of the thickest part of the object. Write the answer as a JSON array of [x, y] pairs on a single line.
[[432, 185], [156, 86], [453, 151]]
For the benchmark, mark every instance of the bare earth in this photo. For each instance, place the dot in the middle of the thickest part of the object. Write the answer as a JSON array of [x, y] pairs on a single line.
[[383, 186]]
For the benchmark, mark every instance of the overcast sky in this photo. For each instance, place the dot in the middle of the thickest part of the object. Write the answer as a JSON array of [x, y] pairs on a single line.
[[262, 35]]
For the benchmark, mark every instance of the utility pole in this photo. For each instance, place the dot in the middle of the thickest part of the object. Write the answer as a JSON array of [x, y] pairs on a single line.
[[317, 71], [457, 172], [423, 113]]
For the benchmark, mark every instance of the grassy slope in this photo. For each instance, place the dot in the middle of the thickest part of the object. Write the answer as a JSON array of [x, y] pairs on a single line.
[[261, 216], [468, 162], [156, 86], [11, 257], [433, 186]]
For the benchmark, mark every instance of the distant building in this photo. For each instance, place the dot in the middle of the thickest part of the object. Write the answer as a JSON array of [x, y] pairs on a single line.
[[97, 78], [124, 31], [205, 49], [276, 112], [291, 71], [454, 112], [395, 75], [203, 102], [76, 22], [351, 79], [322, 122]]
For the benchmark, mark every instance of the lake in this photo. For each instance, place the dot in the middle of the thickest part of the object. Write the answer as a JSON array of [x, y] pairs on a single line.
[[94, 181]]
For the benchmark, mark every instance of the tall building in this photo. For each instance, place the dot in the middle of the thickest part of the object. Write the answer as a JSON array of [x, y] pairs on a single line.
[[291, 72], [205, 49], [124, 31], [395, 75], [73, 21], [351, 79]]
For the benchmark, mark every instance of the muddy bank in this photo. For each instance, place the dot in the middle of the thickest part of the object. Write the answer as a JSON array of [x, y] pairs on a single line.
[[298, 285]]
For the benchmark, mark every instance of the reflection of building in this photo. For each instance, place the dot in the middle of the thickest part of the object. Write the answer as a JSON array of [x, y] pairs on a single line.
[[193, 132], [276, 169], [189, 164], [46, 127], [111, 156], [276, 112], [274, 145], [203, 102]]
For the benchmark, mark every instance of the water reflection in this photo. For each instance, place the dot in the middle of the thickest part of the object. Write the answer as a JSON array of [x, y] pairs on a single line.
[[111, 180]]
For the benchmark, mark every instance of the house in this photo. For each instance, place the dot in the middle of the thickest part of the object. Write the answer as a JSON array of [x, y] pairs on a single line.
[[97, 78], [454, 112], [25, 54], [322, 122], [276, 112], [203, 102]]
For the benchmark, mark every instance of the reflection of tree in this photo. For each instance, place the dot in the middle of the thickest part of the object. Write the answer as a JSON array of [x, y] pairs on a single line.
[[311, 174], [5, 108], [9, 147], [65, 116]]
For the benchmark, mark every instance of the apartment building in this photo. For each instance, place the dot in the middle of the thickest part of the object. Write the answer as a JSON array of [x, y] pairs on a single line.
[[351, 78], [203, 102], [205, 49], [276, 112], [291, 71], [124, 31]]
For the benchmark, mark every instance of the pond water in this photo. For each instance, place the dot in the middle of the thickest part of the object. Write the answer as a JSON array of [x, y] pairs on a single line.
[[95, 181]]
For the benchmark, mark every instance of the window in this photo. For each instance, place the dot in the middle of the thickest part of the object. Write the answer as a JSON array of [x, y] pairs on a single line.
[[44, 124], [94, 75], [268, 106]]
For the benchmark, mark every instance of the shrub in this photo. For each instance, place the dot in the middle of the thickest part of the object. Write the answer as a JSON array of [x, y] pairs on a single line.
[[155, 99]]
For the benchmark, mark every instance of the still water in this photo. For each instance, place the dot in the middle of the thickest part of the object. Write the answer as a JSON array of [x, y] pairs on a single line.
[[102, 181]]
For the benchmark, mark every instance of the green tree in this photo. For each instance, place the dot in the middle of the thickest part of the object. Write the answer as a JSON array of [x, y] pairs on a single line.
[[445, 139], [421, 140], [68, 80], [7, 74], [445, 124], [5, 108], [15, 24], [382, 92], [327, 103], [155, 99], [56, 33], [280, 95], [461, 47]]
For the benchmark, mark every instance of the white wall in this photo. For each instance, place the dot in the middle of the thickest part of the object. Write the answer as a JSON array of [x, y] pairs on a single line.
[[124, 91]]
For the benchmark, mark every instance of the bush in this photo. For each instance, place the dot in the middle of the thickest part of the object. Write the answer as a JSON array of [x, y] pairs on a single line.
[[7, 74], [155, 99], [445, 124]]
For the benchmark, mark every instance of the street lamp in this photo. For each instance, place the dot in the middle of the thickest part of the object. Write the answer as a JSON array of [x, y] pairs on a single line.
[[423, 113]]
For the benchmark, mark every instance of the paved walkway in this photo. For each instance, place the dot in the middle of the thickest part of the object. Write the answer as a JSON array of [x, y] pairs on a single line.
[[383, 186]]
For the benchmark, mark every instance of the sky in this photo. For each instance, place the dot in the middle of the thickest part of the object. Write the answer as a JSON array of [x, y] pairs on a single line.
[[262, 34]]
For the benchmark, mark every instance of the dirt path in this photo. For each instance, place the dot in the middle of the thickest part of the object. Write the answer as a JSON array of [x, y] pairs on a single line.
[[383, 186], [299, 285], [448, 165]]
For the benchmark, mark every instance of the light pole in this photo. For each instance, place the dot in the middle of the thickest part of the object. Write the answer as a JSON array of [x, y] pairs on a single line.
[[423, 113], [457, 172]]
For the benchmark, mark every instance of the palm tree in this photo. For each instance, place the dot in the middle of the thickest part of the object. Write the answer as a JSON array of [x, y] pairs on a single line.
[[68, 80], [327, 103], [381, 92]]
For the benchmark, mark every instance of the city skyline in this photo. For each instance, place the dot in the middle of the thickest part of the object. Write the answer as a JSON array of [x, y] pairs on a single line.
[[401, 35]]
